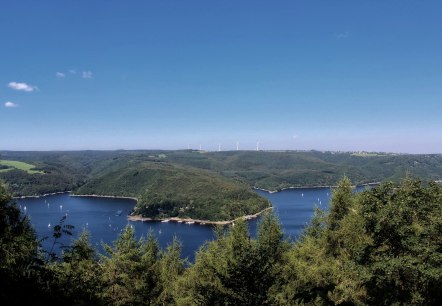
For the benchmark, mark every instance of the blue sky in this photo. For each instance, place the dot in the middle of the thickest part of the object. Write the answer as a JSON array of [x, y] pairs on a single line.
[[325, 75]]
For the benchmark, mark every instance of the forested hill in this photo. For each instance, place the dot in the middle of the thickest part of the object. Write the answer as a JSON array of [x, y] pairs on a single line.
[[263, 169], [200, 185], [62, 171], [168, 190], [277, 170]]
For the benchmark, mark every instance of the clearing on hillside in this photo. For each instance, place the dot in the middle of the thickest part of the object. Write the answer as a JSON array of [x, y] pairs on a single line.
[[13, 164]]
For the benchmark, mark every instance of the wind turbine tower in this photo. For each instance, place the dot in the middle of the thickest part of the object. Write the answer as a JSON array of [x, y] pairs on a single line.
[[219, 147], [237, 146], [257, 146]]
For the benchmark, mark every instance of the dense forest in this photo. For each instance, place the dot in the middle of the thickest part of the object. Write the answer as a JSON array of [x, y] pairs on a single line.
[[166, 190], [202, 185], [263, 169], [382, 246]]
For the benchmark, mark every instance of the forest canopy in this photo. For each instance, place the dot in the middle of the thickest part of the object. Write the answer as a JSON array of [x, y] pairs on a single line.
[[380, 246]]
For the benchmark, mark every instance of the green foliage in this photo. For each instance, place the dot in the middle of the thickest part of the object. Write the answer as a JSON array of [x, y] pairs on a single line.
[[122, 270], [151, 279], [277, 170], [58, 231], [76, 280], [235, 269], [170, 268], [269, 170], [382, 246], [341, 204], [80, 250], [63, 171], [18, 253], [166, 190], [211, 186], [7, 165], [405, 258]]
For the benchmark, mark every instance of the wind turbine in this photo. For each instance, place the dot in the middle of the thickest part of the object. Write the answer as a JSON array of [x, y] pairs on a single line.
[[257, 146], [237, 146], [219, 147]]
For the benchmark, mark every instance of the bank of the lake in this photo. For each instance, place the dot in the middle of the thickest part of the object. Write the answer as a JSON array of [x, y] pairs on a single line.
[[103, 196], [135, 217], [314, 187], [102, 218], [197, 221], [42, 195]]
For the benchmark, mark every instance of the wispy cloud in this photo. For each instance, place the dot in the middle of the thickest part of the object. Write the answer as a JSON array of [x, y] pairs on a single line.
[[87, 74], [22, 86], [60, 75], [72, 71], [10, 104], [342, 35]]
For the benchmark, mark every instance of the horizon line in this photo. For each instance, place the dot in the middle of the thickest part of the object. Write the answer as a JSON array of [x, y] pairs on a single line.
[[230, 150]]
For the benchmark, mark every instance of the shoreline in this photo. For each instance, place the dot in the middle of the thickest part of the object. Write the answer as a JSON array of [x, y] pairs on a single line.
[[172, 219], [187, 220], [135, 199], [103, 196], [42, 195], [196, 221], [311, 187], [143, 219]]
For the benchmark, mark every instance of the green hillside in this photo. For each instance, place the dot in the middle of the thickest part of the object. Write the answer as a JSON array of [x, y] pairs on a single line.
[[278, 170], [263, 169], [63, 171], [8, 165], [167, 190]]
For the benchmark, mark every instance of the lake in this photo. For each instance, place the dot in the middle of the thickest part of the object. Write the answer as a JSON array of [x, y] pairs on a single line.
[[105, 218]]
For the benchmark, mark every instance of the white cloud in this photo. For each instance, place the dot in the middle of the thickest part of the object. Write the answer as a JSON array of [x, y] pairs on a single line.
[[60, 75], [10, 104], [22, 86], [87, 74], [72, 71], [342, 35]]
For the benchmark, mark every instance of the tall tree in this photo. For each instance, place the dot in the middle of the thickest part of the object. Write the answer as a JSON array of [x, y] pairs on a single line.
[[171, 267], [18, 253], [341, 203], [122, 270], [405, 258], [78, 275], [235, 269]]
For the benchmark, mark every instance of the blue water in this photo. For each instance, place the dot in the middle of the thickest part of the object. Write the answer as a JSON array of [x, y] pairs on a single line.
[[105, 218], [295, 207]]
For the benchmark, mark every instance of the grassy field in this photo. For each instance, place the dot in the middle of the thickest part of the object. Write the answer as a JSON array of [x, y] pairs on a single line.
[[13, 164]]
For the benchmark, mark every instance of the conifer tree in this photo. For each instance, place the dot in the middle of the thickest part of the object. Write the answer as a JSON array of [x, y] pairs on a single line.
[[78, 276], [18, 253], [122, 270], [171, 267]]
